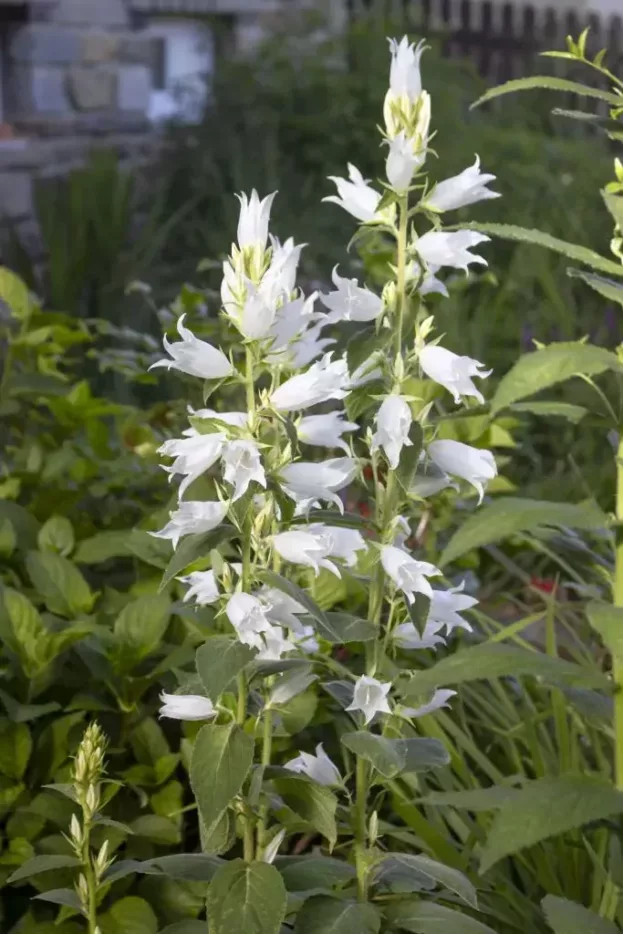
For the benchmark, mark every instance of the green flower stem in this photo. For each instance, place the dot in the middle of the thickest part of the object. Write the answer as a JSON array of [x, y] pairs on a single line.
[[267, 747], [361, 789], [89, 874], [617, 663]]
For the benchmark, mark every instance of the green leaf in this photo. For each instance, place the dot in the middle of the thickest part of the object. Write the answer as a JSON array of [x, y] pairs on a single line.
[[409, 457], [507, 516], [342, 628], [545, 808], [573, 413], [315, 803], [421, 917], [15, 749], [246, 897], [547, 367], [475, 799], [219, 660], [133, 915], [193, 547], [613, 291], [156, 829], [324, 915], [66, 897], [193, 867], [221, 760], [8, 538], [102, 547], [565, 917], [303, 873], [386, 755], [421, 755], [579, 254], [57, 535], [607, 620], [37, 864], [547, 83], [139, 629], [395, 871], [60, 583], [491, 660], [189, 926], [24, 524], [15, 294]]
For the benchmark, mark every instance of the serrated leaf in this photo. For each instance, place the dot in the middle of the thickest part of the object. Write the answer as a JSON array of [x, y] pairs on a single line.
[[395, 871], [60, 583], [565, 917], [573, 413], [193, 547], [221, 760], [315, 803], [322, 914], [246, 897], [545, 808], [218, 662], [547, 83], [420, 917], [38, 864], [510, 515], [609, 289]]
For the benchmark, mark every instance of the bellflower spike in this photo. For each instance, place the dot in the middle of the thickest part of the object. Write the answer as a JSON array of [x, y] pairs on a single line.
[[324, 380], [371, 697], [461, 190], [439, 700], [248, 616], [453, 372], [393, 423], [463, 461], [350, 302], [319, 767], [242, 465], [450, 248], [402, 161], [186, 707], [191, 518], [202, 588], [446, 607], [193, 455], [407, 636], [194, 357], [325, 430], [308, 482], [254, 219], [409, 575], [355, 196]]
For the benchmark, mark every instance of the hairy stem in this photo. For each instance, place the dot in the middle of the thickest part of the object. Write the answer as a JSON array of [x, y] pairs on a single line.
[[617, 663]]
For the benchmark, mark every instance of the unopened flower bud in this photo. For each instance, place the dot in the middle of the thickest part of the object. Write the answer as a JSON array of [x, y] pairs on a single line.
[[75, 830], [373, 828], [101, 861]]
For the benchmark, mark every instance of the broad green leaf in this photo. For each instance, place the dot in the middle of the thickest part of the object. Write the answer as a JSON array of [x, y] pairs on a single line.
[[193, 547], [219, 660], [421, 755], [60, 583], [573, 413], [613, 291], [491, 660], [139, 629], [24, 524], [565, 917], [15, 749], [246, 897], [193, 867], [548, 83], [221, 759], [607, 620], [322, 914], [424, 917], [102, 547], [132, 915], [303, 873], [507, 516], [189, 926], [66, 897], [156, 829], [315, 803], [8, 538], [37, 864], [580, 254], [15, 294], [475, 799], [545, 808], [395, 872], [291, 684], [551, 365], [386, 755], [57, 535], [342, 628]]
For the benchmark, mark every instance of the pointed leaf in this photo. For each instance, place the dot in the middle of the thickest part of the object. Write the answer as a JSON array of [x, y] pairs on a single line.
[[221, 760], [281, 583], [573, 413], [322, 914], [405, 864], [65, 897], [37, 864], [421, 917], [303, 873], [387, 756], [565, 917], [139, 629], [193, 547], [315, 803], [421, 755], [606, 287], [246, 897], [548, 83], [219, 660]]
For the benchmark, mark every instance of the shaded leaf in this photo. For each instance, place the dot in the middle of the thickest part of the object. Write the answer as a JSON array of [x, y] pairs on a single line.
[[38, 864], [324, 915], [573, 413], [422, 866], [60, 583], [193, 547], [221, 760], [315, 803], [421, 917], [606, 287], [565, 917], [246, 897], [547, 83], [219, 660], [302, 873]]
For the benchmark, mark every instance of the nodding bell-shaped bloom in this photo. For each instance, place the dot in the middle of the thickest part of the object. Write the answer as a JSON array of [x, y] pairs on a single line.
[[235, 419], [432, 285], [203, 589], [191, 518], [325, 431], [242, 463], [351, 302], [275, 645], [254, 219], [314, 544], [466, 188], [453, 372], [439, 700], [371, 697], [324, 380], [281, 608], [319, 767], [248, 616], [463, 461], [407, 637], [280, 277], [409, 575], [343, 543], [186, 707], [404, 157], [291, 319], [393, 423], [450, 248], [446, 607], [309, 482], [193, 455], [194, 356], [255, 319], [355, 196]]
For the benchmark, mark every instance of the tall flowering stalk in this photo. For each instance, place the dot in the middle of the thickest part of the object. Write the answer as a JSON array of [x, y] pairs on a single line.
[[278, 506]]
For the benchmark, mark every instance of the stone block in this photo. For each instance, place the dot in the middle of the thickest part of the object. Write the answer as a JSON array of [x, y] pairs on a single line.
[[92, 88], [15, 195], [100, 47], [45, 44], [90, 13], [36, 89], [134, 88]]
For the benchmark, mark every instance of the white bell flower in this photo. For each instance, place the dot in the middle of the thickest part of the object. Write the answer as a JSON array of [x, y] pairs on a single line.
[[461, 190], [256, 318], [248, 616], [191, 518], [407, 637], [194, 356], [324, 380], [291, 319], [351, 302], [343, 543], [308, 482], [402, 161], [439, 700], [367, 372], [461, 460], [405, 79], [319, 767], [325, 430], [305, 639], [453, 372], [254, 219], [371, 697], [355, 196], [446, 607], [431, 285], [393, 423], [306, 347], [281, 273], [429, 479], [193, 455], [243, 464], [203, 588], [301, 546], [235, 419], [409, 575], [450, 248], [186, 707], [281, 608], [275, 645]]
